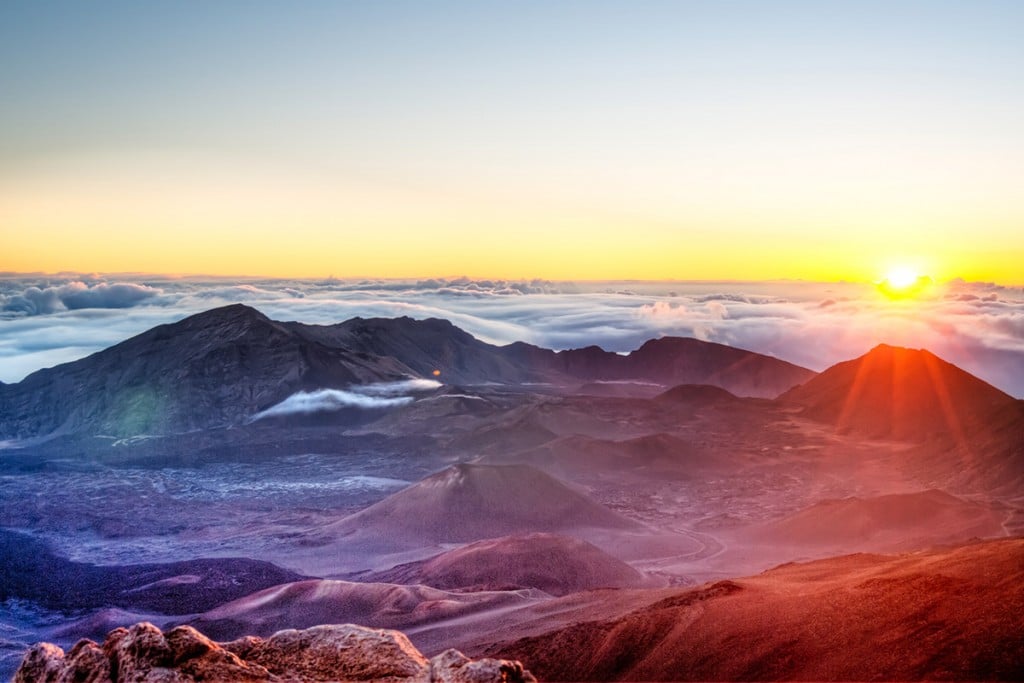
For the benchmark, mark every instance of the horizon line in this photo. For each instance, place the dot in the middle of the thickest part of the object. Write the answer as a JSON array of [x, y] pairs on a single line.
[[10, 275]]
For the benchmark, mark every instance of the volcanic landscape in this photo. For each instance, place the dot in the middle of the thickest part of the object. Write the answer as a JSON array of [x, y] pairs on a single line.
[[687, 511]]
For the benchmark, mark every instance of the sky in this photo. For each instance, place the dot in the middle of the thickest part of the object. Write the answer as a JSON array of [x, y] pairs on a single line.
[[727, 140], [977, 326]]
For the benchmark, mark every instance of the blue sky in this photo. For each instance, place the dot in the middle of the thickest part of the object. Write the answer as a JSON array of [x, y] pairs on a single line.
[[840, 138]]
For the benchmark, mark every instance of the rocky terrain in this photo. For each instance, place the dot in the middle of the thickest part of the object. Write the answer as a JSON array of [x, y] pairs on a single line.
[[29, 570], [142, 653], [244, 476]]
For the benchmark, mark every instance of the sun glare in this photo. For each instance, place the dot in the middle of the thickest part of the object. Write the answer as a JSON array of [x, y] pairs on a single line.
[[903, 282], [901, 278]]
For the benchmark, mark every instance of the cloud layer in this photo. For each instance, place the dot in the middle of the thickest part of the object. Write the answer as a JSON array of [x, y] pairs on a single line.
[[71, 296], [977, 326]]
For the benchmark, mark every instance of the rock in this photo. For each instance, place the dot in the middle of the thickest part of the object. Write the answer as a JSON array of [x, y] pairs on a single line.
[[42, 664], [343, 652], [87, 663], [144, 654], [451, 666]]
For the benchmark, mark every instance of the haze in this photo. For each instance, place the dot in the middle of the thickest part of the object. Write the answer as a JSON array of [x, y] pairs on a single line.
[[650, 140]]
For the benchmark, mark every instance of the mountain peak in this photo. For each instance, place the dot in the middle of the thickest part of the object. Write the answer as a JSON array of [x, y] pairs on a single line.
[[884, 349], [231, 312], [902, 393], [469, 502]]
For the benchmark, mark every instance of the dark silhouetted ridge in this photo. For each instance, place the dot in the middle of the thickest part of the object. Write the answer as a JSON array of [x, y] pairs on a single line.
[[214, 368], [220, 367], [424, 346]]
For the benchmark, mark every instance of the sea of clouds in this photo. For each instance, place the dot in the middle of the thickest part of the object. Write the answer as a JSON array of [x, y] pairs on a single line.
[[46, 320]]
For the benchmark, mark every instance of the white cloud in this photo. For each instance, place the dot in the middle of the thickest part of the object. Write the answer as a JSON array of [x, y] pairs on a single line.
[[367, 396], [324, 400], [978, 326], [399, 388]]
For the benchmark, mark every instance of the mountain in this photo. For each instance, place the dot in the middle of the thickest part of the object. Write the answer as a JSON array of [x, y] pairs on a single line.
[[952, 614], [221, 367], [678, 360], [468, 502], [215, 368], [966, 435], [423, 346], [900, 393], [555, 564], [433, 344]]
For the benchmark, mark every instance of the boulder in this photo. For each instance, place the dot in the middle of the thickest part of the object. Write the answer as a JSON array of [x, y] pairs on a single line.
[[144, 654]]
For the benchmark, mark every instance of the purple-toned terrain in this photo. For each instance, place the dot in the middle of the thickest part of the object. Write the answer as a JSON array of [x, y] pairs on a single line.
[[686, 511]]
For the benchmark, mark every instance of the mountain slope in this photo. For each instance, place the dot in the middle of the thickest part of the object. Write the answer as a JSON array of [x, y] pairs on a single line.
[[380, 605], [555, 564], [966, 434], [466, 503], [899, 393], [424, 346], [214, 368], [221, 367], [950, 614], [432, 344], [900, 521], [676, 360]]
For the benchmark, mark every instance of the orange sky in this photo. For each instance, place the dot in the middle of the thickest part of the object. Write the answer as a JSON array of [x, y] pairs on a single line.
[[243, 223], [819, 141]]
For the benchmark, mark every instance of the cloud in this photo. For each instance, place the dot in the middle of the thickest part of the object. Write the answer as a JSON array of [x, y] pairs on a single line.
[[76, 295], [978, 326], [399, 388], [323, 400], [366, 396]]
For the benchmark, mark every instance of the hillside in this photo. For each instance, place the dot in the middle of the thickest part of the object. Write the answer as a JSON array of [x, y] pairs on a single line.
[[947, 614], [468, 502], [899, 393], [890, 522], [552, 563]]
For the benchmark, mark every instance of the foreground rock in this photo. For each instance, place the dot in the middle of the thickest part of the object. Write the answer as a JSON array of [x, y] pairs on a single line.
[[144, 654]]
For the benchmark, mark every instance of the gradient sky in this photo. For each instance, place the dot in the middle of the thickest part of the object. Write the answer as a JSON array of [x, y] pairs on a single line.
[[714, 140]]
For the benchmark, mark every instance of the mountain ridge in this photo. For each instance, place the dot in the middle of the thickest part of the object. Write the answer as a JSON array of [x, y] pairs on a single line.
[[220, 367]]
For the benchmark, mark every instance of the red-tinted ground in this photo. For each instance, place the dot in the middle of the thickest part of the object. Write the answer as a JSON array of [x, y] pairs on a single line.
[[949, 614]]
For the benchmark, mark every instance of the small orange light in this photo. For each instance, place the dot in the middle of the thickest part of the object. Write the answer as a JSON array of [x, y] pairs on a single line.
[[437, 373]]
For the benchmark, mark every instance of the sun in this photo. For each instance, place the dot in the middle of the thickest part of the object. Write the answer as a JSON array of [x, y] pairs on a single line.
[[903, 282], [901, 277]]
